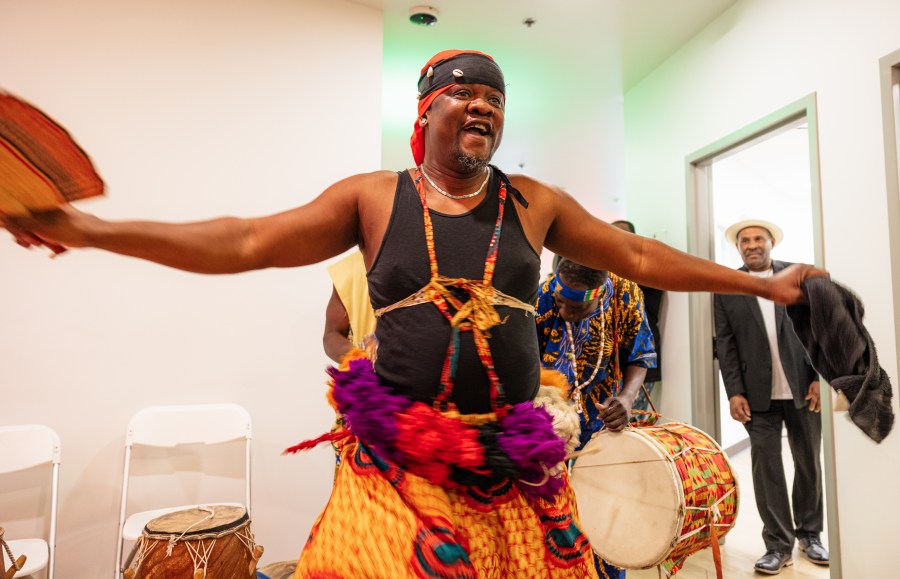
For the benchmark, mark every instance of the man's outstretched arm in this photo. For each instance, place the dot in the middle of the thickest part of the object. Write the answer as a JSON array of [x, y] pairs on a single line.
[[323, 228], [578, 235]]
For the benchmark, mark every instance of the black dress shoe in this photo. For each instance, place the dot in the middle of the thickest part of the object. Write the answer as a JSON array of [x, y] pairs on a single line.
[[773, 562], [813, 550]]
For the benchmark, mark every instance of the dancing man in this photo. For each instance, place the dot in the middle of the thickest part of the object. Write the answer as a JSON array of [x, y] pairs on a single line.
[[448, 470]]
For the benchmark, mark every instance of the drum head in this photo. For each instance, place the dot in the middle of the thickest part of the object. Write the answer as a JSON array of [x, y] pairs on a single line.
[[630, 499], [197, 521], [282, 570]]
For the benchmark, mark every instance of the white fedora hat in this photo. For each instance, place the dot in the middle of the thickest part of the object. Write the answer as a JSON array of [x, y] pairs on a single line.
[[732, 232]]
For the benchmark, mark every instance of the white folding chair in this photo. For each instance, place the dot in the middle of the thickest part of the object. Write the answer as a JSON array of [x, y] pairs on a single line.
[[171, 426], [24, 447]]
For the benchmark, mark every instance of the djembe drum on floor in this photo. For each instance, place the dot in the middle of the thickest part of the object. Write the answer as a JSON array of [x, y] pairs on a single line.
[[654, 495], [210, 542]]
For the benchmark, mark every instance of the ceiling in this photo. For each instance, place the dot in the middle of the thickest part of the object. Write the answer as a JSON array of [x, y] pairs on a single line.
[[566, 77], [630, 36]]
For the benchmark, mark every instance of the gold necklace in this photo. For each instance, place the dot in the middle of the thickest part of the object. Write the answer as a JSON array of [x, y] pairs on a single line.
[[456, 197]]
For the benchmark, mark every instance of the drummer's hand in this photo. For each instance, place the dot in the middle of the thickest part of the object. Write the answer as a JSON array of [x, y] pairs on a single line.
[[784, 286], [740, 408], [56, 229], [615, 413]]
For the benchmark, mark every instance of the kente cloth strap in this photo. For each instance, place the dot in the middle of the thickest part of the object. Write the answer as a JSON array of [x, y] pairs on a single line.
[[575, 295], [477, 315]]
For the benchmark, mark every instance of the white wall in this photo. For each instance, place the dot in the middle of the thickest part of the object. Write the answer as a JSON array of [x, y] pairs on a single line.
[[756, 58], [190, 110]]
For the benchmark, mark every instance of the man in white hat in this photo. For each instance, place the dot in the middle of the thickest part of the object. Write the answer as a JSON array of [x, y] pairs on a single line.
[[770, 383]]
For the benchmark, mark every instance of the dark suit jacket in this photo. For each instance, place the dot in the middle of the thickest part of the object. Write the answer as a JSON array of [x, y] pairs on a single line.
[[652, 304], [742, 348]]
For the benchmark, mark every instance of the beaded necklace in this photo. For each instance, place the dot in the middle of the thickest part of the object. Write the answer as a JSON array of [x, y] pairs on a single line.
[[578, 387]]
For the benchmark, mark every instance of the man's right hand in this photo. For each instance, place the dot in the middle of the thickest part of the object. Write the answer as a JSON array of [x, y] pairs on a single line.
[[740, 408], [784, 286], [56, 229]]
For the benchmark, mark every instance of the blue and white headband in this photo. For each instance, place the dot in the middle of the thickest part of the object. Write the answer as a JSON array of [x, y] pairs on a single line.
[[572, 294]]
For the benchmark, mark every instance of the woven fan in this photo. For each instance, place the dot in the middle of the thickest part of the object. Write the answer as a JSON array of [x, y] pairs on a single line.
[[41, 167]]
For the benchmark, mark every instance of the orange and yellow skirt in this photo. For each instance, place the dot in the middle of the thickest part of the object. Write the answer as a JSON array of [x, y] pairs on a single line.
[[383, 522]]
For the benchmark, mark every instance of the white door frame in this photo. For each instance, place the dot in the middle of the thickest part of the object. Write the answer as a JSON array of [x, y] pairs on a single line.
[[705, 385], [890, 104]]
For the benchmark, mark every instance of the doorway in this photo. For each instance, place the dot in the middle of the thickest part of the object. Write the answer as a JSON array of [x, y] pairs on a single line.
[[767, 178], [767, 170]]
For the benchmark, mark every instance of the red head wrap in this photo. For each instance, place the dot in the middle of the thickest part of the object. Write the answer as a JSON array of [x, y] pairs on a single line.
[[445, 69]]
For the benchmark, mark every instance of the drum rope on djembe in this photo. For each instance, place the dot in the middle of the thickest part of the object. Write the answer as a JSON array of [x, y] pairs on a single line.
[[199, 546]]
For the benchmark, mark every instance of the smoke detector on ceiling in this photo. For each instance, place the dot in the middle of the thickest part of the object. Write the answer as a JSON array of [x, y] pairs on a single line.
[[423, 15]]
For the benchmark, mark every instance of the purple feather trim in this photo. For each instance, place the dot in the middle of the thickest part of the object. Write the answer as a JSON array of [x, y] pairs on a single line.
[[528, 439], [369, 406], [526, 433]]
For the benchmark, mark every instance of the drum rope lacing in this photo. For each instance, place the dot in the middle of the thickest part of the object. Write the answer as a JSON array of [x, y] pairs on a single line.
[[713, 510], [173, 540], [670, 457], [200, 552]]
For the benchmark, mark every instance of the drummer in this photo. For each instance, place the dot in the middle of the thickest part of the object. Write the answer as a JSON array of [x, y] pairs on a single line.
[[589, 323]]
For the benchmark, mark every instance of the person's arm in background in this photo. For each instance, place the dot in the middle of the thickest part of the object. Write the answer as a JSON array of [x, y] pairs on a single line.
[[730, 364], [336, 338]]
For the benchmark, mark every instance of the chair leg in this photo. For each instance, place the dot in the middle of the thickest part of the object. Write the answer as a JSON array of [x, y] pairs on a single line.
[[130, 558]]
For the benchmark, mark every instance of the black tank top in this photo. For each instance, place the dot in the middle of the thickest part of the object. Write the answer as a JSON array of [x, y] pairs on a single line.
[[413, 340]]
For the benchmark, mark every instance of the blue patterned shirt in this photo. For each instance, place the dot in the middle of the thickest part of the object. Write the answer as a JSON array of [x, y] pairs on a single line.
[[616, 332]]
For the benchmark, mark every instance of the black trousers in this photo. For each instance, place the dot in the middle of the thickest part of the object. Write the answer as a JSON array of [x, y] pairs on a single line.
[[804, 434]]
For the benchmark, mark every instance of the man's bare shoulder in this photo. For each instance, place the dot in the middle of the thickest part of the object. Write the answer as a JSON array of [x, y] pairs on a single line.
[[375, 198], [542, 196], [363, 182], [529, 184]]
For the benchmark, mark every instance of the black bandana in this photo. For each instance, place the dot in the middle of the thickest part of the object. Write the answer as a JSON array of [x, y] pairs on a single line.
[[465, 68]]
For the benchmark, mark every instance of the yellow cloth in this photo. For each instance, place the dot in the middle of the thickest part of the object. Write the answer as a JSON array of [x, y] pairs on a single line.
[[349, 278], [385, 523]]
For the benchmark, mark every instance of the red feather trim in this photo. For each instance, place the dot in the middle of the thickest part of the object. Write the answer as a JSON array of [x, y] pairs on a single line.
[[333, 436]]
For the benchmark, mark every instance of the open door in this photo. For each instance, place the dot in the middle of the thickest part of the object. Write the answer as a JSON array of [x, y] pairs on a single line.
[[767, 170]]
